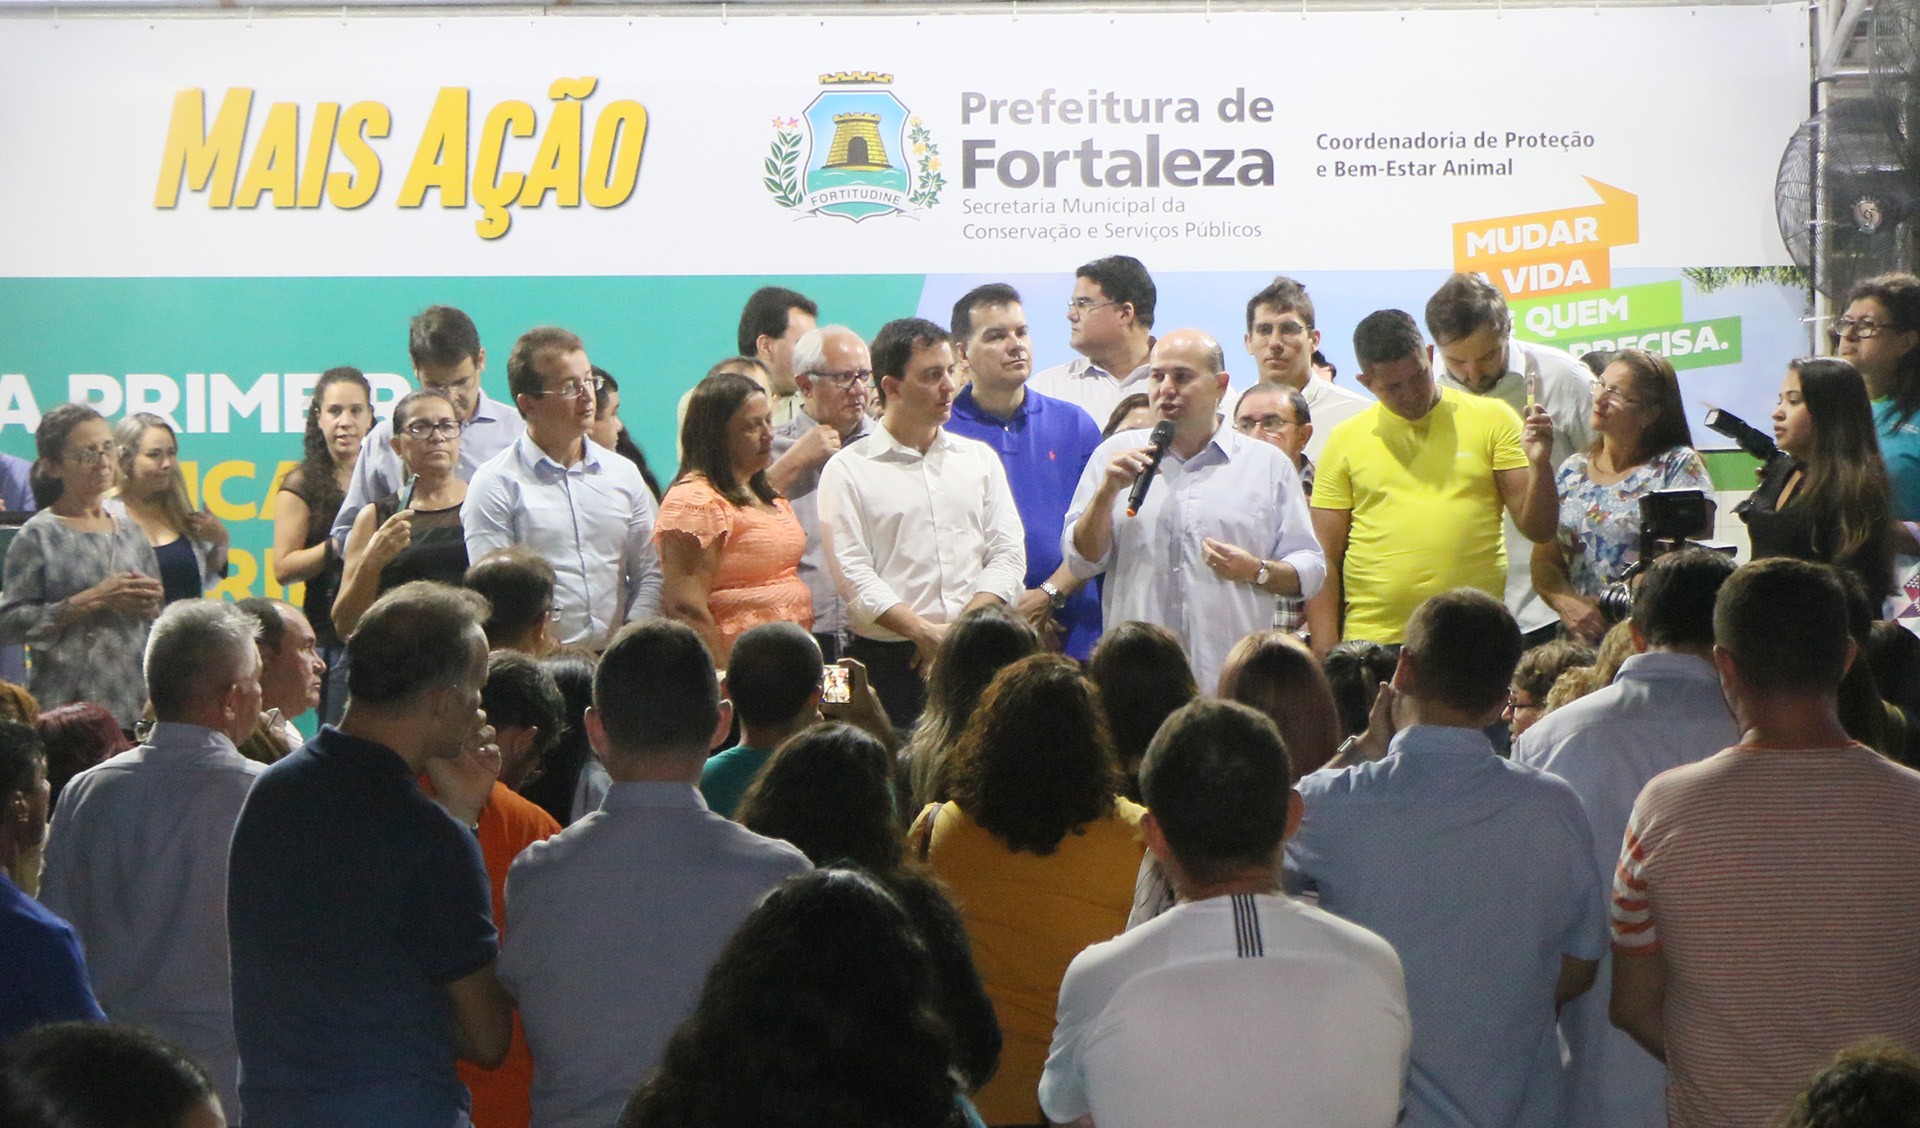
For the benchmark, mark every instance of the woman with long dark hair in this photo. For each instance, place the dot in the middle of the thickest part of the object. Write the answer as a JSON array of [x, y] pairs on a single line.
[[338, 419], [82, 585], [1041, 851], [820, 1013], [829, 792], [1879, 334], [1825, 497], [983, 642], [730, 545], [1143, 675], [1641, 443]]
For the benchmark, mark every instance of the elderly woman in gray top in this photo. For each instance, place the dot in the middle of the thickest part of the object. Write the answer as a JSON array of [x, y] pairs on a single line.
[[81, 586]]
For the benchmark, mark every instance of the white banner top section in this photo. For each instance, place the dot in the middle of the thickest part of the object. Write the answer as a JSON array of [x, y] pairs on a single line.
[[515, 145]]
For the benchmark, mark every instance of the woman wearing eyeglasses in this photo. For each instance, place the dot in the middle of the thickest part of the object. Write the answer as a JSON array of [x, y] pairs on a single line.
[[1880, 335], [730, 545], [1641, 443], [82, 586], [414, 534]]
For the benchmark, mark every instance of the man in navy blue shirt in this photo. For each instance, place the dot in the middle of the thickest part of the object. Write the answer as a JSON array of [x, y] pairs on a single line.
[[358, 909], [1043, 443], [43, 978]]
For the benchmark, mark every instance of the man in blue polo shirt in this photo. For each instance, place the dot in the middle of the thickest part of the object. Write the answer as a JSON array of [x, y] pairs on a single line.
[[358, 909], [1043, 443]]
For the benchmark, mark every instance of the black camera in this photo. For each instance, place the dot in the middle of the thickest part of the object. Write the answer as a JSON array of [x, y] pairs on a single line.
[[1669, 521]]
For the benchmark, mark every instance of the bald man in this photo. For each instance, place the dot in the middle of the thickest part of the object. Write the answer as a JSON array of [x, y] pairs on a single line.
[[1221, 535]]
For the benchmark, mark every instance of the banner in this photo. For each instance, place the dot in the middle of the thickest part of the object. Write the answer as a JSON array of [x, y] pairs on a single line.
[[205, 213]]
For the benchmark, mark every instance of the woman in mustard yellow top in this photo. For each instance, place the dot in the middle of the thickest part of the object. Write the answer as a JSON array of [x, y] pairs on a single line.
[[1039, 851], [730, 545]]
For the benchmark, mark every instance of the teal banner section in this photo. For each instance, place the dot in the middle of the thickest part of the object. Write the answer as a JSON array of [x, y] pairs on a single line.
[[233, 360]]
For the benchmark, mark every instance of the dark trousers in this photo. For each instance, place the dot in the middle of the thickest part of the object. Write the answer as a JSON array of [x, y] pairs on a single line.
[[830, 650], [891, 674]]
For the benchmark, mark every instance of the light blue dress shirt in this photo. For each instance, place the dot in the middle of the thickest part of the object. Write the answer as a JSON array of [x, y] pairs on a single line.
[[1662, 711], [137, 863], [1479, 872], [1237, 490], [493, 427], [593, 521], [616, 921]]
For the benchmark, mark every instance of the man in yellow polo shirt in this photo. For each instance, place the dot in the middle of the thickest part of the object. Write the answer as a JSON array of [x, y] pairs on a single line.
[[1409, 493]]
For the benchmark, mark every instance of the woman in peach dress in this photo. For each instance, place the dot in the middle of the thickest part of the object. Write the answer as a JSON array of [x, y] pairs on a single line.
[[730, 545]]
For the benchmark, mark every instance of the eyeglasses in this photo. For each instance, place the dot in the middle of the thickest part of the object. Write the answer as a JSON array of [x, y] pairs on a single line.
[[572, 389], [845, 379], [1288, 329], [1616, 395], [1859, 328], [1271, 424], [1086, 305], [444, 429], [93, 456]]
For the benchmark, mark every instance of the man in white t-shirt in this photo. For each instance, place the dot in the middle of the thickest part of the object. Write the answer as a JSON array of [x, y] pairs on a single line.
[[1238, 1006], [1282, 340]]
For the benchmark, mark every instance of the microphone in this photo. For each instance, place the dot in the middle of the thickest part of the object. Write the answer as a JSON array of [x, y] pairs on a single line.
[[1157, 445]]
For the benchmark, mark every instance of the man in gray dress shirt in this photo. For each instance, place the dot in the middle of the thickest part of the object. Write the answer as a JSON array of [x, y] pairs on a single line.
[[137, 861], [617, 919], [835, 374]]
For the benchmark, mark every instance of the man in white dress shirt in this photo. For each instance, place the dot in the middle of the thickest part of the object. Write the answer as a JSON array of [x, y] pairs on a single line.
[[447, 358], [920, 524], [1282, 340], [1221, 534], [1111, 319], [1472, 332], [583, 508], [137, 861]]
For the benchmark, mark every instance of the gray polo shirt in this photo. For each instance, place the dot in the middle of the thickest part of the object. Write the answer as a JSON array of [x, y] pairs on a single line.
[[616, 921], [829, 611], [137, 862]]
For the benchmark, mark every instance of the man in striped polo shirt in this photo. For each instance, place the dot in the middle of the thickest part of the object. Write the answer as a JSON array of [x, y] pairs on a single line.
[[1238, 1006], [1765, 910]]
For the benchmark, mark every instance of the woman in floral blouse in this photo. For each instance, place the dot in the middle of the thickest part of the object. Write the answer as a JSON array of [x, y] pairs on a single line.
[[1641, 444]]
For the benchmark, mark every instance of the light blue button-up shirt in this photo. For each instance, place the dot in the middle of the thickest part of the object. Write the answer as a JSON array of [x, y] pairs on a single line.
[[1662, 711], [1237, 490], [616, 921], [491, 429], [137, 863], [1479, 872], [593, 521]]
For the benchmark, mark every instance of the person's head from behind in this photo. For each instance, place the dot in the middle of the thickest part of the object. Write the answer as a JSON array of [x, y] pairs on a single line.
[[418, 659], [1396, 365], [1130, 414], [774, 680], [1673, 602], [1143, 675], [1219, 790], [1780, 631], [87, 1075], [77, 737], [291, 669], [572, 671], [517, 584], [773, 319], [524, 707], [444, 346], [829, 792], [1469, 320], [656, 703], [825, 995], [1458, 658], [1274, 673], [1356, 669], [1894, 653], [1874, 1084], [979, 645], [1035, 763], [1533, 680], [23, 792], [203, 667]]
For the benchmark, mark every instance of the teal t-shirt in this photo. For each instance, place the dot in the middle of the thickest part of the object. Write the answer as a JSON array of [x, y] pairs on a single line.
[[1900, 448], [725, 778]]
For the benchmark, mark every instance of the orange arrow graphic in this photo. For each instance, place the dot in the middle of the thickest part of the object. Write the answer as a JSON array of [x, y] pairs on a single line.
[[1514, 240]]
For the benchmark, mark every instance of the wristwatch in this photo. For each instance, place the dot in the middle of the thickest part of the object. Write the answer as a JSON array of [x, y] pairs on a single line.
[[1260, 577], [1056, 598]]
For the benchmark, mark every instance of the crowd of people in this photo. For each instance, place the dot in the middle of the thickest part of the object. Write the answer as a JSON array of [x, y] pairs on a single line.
[[955, 741]]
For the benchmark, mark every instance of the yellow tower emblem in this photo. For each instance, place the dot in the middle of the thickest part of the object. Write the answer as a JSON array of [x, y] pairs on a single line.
[[857, 146]]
